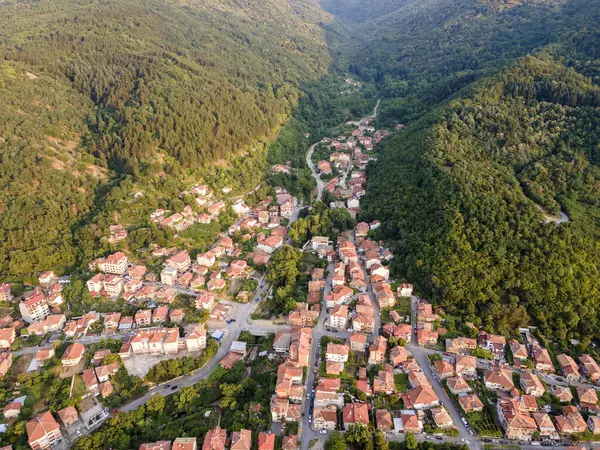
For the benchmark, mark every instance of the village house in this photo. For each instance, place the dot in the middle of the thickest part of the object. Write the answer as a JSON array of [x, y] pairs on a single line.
[[6, 360], [460, 345], [7, 337], [355, 413], [545, 426], [205, 300], [570, 422], [384, 383], [5, 295], [515, 420], [541, 359], [325, 418], [160, 314], [409, 422], [339, 317], [377, 351], [73, 355], [426, 337], [383, 420], [588, 399], [568, 367], [470, 403], [562, 393], [398, 354], [155, 341], [283, 410], [358, 342], [363, 323], [215, 439], [465, 365], [326, 393], [266, 441], [531, 384], [421, 397], [494, 343], [457, 385], [196, 339], [443, 368], [425, 312], [498, 379], [241, 440], [103, 373], [43, 432], [518, 350], [405, 290], [589, 368], [441, 418]]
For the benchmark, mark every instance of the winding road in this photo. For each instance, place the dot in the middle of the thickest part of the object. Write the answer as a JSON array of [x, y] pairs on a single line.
[[311, 165]]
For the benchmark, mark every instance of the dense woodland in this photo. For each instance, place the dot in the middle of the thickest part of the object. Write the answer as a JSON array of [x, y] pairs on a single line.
[[501, 103], [99, 100]]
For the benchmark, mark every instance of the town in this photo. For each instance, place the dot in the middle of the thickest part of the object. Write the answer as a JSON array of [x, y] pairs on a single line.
[[355, 350]]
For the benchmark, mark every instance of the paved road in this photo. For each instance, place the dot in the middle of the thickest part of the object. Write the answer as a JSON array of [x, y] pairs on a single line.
[[85, 340], [315, 175], [421, 357]]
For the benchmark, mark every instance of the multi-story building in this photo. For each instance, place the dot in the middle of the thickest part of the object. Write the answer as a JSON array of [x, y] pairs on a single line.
[[155, 341], [115, 264], [168, 275], [35, 308], [43, 431]]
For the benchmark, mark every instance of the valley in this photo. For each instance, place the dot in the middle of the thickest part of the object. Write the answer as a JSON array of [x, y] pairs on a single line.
[[299, 224]]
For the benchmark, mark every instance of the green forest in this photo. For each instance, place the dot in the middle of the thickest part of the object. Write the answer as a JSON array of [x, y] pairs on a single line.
[[501, 106], [100, 100]]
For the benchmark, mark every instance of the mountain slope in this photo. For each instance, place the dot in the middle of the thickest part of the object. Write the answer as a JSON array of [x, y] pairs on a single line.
[[501, 102], [93, 91]]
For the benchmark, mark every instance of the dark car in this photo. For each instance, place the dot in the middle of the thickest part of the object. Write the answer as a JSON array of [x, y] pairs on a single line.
[[173, 388], [167, 386]]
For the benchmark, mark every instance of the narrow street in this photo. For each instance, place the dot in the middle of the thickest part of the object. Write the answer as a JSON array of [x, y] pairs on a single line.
[[421, 356]]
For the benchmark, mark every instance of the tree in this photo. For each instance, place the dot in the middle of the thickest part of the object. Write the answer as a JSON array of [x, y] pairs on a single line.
[[156, 403], [358, 434], [336, 441], [410, 441], [186, 396], [380, 441]]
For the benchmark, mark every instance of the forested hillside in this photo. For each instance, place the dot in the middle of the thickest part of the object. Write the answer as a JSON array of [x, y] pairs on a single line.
[[99, 99], [502, 106]]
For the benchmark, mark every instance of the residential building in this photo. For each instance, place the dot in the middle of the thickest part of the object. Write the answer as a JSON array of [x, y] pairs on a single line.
[[358, 342], [518, 350], [568, 367], [457, 385], [215, 439], [339, 317], [159, 445], [470, 403], [5, 295], [168, 276], [570, 422], [541, 359], [68, 415], [383, 420], [589, 368], [180, 261], [143, 318], [421, 397], [337, 352], [283, 410], [43, 432], [465, 365], [588, 399], [196, 339], [35, 308], [115, 264], [325, 418], [355, 413], [205, 300], [73, 355], [515, 420], [241, 440], [443, 368], [155, 341], [531, 384], [185, 443], [492, 342], [326, 393], [498, 379], [377, 350], [441, 418], [398, 354], [363, 323], [7, 338], [409, 422]]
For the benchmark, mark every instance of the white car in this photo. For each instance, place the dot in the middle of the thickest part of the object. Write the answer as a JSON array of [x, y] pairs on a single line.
[[323, 431]]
